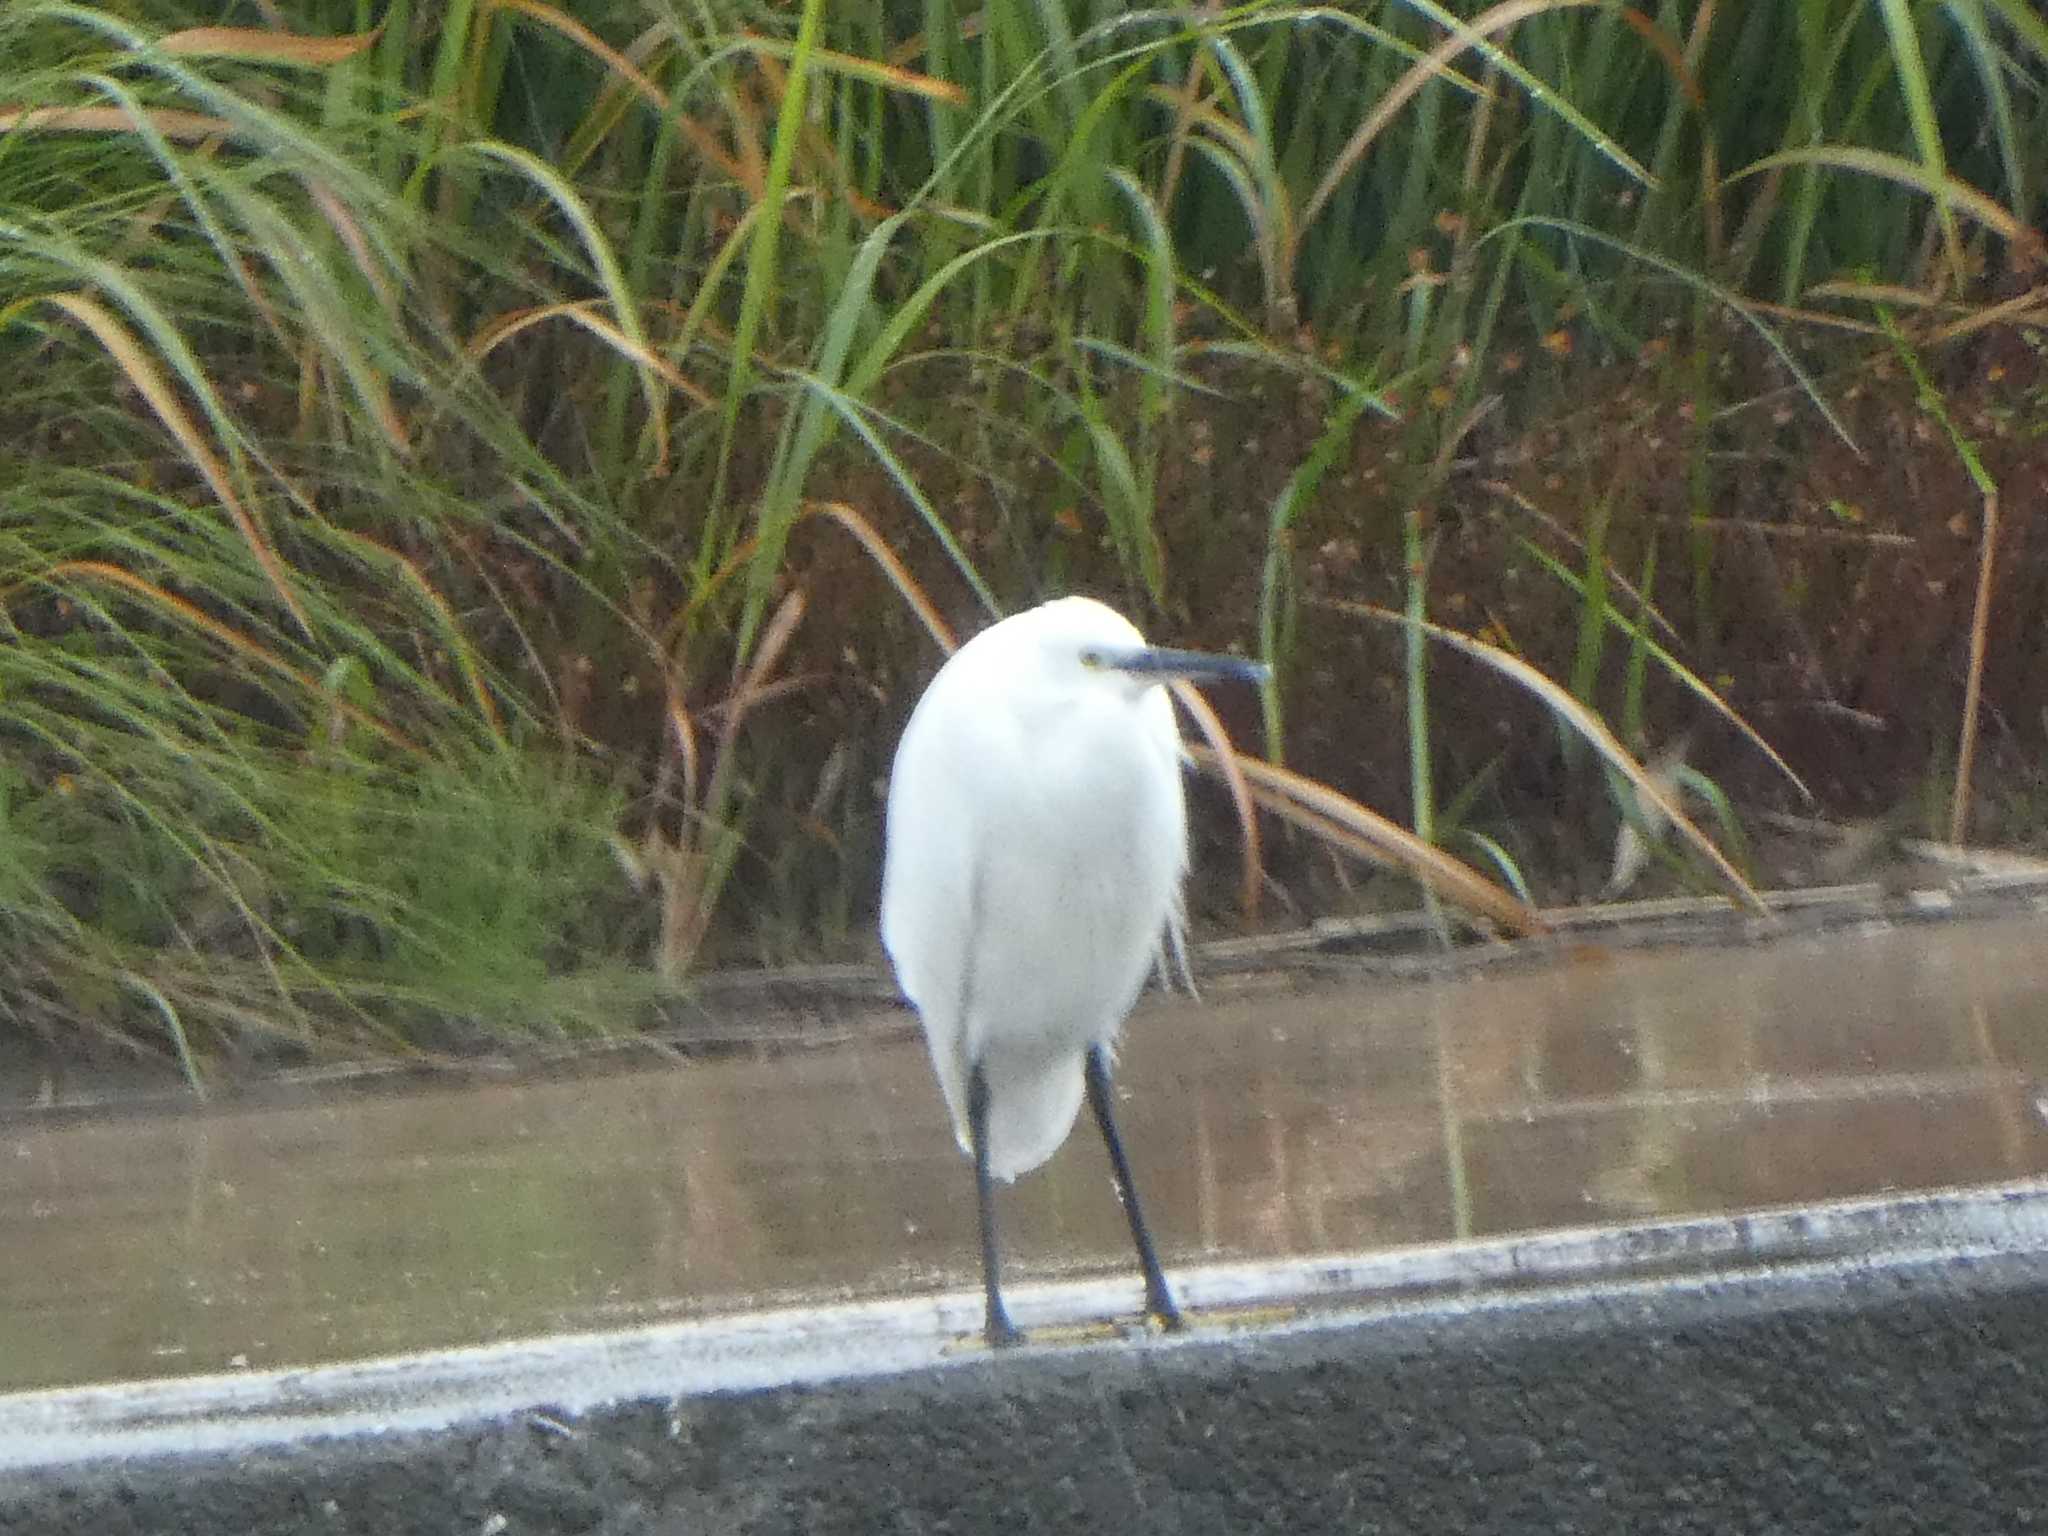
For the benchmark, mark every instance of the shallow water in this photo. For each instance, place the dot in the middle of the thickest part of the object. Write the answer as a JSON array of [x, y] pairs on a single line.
[[1621, 1085]]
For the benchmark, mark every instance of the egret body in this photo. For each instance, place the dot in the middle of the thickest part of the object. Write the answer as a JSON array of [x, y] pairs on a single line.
[[1036, 843]]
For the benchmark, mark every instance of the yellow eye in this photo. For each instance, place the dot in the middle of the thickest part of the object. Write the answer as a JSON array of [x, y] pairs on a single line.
[[1091, 659]]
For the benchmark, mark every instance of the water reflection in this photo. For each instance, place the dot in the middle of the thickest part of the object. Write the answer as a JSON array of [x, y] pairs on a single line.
[[1263, 1123]]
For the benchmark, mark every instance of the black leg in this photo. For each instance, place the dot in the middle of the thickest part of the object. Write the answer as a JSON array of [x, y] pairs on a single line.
[[1001, 1332], [1158, 1299]]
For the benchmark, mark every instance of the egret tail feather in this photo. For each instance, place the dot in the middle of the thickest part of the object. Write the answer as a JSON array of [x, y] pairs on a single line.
[[1032, 1107]]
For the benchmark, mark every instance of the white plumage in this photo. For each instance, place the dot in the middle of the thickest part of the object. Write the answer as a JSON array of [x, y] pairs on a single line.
[[1037, 839]]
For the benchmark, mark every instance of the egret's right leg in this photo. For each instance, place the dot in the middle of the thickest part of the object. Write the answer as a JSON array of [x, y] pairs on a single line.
[[1158, 1299], [1001, 1332]]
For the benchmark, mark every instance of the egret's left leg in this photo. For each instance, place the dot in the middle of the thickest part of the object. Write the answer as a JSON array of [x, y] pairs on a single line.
[[1158, 1299], [999, 1330]]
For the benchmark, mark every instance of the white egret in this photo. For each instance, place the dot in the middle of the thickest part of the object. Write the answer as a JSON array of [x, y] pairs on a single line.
[[1037, 839]]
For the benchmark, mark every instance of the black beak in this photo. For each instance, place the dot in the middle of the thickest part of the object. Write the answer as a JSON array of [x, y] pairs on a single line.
[[1158, 664]]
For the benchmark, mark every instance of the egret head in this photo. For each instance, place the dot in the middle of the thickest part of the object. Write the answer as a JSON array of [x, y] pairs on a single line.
[[1082, 641]]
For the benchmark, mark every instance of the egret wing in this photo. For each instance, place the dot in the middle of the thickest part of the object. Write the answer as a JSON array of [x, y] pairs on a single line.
[[930, 892]]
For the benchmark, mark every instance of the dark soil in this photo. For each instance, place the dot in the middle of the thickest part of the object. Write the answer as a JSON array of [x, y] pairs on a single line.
[[1886, 1400], [1826, 590]]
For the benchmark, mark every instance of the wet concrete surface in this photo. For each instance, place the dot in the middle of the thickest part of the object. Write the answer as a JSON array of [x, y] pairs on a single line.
[[1892, 1394], [1658, 1388], [1264, 1123]]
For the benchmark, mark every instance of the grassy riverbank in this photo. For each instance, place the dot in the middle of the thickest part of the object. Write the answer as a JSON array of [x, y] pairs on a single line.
[[477, 474]]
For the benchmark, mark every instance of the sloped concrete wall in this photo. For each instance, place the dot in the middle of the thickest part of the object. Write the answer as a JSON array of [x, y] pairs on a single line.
[[1826, 1398]]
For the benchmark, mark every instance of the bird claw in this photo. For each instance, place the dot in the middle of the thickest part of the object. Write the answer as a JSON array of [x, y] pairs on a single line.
[[1153, 1321], [1160, 1311]]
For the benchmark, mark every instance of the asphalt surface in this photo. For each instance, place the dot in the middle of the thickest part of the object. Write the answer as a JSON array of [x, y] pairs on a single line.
[[1853, 1398]]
